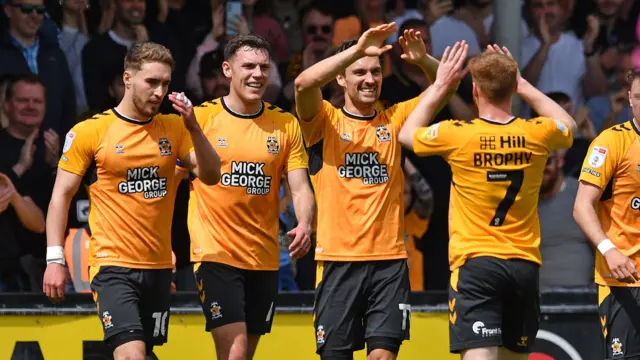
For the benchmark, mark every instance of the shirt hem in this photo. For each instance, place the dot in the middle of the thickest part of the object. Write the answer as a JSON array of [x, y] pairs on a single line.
[[131, 265], [237, 264], [334, 257], [461, 261]]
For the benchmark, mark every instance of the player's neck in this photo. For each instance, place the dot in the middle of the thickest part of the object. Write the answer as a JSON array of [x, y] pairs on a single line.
[[238, 106], [496, 113], [358, 110], [128, 110]]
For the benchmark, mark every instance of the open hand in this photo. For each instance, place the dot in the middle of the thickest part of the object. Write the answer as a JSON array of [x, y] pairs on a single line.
[[450, 71], [413, 49], [371, 43]]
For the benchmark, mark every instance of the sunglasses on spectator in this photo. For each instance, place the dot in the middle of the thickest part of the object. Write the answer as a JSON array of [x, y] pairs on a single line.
[[28, 8], [313, 29]]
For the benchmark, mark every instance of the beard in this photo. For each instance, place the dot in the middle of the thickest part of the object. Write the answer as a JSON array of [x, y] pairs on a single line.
[[143, 108]]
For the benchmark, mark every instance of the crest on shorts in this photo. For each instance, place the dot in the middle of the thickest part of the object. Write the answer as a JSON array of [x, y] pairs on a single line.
[[320, 335], [106, 320], [383, 133], [216, 310], [616, 347], [272, 145], [165, 147]]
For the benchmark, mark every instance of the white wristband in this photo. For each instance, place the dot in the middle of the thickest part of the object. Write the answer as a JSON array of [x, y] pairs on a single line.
[[55, 254], [605, 245]]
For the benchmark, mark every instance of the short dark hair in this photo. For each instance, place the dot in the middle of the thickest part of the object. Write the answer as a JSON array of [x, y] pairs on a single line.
[[323, 7], [559, 97], [252, 41], [14, 80], [349, 43], [633, 75], [211, 63]]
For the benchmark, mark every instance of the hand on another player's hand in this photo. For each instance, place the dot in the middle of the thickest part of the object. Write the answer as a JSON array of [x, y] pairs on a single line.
[[55, 279], [450, 71], [184, 107], [413, 49], [622, 268], [371, 43], [301, 241]]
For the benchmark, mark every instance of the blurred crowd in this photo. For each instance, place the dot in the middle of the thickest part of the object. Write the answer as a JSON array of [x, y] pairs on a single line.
[[61, 61]]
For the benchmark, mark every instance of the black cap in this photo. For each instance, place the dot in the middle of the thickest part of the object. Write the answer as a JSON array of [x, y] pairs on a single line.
[[211, 63]]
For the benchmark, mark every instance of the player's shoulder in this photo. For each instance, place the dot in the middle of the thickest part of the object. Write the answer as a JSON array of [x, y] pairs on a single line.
[[542, 125], [621, 134], [98, 122], [209, 107], [276, 113]]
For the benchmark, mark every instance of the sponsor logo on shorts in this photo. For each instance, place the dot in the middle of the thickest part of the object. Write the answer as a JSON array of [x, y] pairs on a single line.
[[616, 347], [591, 172], [106, 320], [165, 147], [216, 310], [144, 180], [383, 133], [479, 328], [524, 340], [320, 334], [365, 166], [635, 203], [249, 175]]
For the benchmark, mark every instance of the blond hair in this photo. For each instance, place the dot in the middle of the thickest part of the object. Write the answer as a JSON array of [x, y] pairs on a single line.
[[147, 52], [495, 74]]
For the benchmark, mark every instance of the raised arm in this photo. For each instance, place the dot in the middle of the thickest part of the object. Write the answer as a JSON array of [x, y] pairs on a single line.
[[308, 85], [203, 161], [449, 74], [539, 102], [55, 275]]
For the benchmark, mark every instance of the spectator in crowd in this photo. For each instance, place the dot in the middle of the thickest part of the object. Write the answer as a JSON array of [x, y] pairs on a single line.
[[465, 23], [72, 39], [288, 15], [264, 24], [317, 28], [30, 155], [24, 49], [369, 14], [553, 60], [4, 80], [213, 42], [613, 108], [107, 51], [615, 33], [214, 83], [567, 257]]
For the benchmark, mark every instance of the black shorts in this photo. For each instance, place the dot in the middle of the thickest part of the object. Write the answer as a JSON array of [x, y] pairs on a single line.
[[619, 310], [229, 295], [133, 304], [494, 302], [356, 302]]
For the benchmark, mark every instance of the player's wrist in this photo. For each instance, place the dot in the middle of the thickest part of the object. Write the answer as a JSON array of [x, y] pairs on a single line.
[[55, 255], [605, 246]]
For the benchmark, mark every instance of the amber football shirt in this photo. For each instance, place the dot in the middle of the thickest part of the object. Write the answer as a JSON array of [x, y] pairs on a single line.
[[358, 179], [497, 173], [613, 165], [132, 189], [236, 221]]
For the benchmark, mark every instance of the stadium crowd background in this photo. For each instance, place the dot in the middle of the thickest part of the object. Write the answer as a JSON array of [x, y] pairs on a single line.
[[578, 52]]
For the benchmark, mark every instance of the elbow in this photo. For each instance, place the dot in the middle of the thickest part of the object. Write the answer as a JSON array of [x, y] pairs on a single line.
[[406, 139], [300, 84], [210, 178]]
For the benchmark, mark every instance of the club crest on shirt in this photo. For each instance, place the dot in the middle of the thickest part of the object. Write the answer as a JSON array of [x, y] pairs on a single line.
[[165, 147], [383, 133], [272, 145]]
